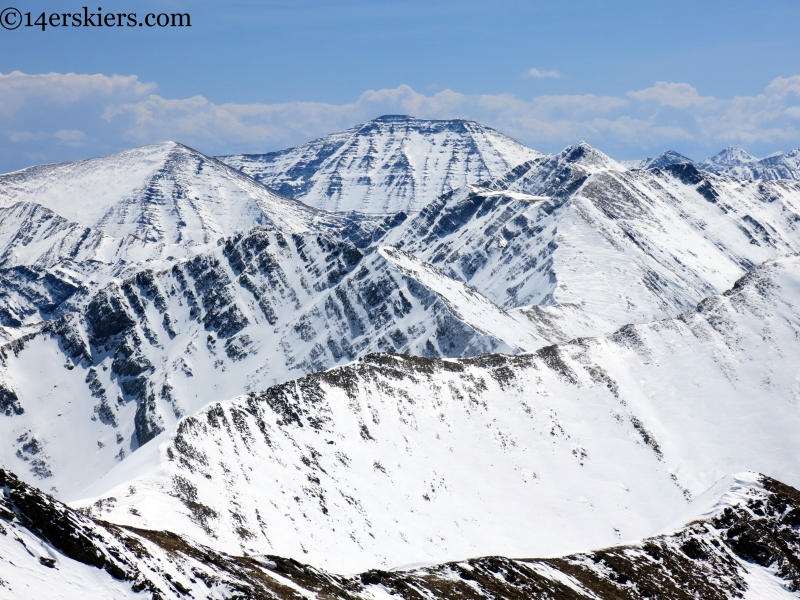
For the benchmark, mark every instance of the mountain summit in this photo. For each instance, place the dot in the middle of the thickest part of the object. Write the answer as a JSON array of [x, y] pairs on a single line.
[[665, 159], [162, 192], [732, 156], [738, 163], [389, 164]]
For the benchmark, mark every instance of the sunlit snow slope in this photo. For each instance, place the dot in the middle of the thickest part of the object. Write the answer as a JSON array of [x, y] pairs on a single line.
[[160, 193], [160, 310], [739, 540], [390, 164], [567, 246]]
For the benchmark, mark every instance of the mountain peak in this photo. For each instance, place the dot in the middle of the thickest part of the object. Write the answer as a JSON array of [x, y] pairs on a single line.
[[731, 156], [588, 156], [391, 118], [390, 164], [163, 192], [665, 159]]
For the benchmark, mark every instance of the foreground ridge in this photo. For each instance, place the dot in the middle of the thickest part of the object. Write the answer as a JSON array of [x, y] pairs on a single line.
[[747, 545], [397, 459]]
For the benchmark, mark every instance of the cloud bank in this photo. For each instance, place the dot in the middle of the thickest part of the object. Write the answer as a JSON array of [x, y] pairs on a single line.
[[51, 117], [536, 73]]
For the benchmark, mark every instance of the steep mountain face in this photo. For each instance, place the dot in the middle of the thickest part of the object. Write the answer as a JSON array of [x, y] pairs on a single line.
[[779, 166], [393, 163], [577, 232], [742, 542], [397, 459], [165, 193], [259, 310], [728, 158], [51, 265], [632, 246], [68, 230]]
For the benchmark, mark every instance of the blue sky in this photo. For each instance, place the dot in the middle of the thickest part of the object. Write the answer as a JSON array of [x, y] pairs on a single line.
[[632, 78]]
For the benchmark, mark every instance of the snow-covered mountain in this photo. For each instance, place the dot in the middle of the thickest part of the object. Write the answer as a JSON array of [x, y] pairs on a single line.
[[390, 164], [732, 161], [552, 349], [165, 193], [160, 344], [665, 159], [626, 246], [399, 459], [728, 158], [481, 269], [739, 541], [738, 163], [67, 230]]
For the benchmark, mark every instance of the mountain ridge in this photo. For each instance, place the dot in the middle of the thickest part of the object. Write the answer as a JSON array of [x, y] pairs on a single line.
[[744, 547], [732, 161]]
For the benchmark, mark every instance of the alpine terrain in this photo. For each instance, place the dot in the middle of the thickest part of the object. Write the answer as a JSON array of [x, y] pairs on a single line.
[[732, 161], [414, 358]]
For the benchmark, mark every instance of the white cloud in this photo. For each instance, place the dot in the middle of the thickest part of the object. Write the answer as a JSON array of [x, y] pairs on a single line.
[[676, 95], [637, 118], [107, 113], [18, 89], [536, 73], [25, 136]]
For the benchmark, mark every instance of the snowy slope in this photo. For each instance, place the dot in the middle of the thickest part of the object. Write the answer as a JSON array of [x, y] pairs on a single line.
[[67, 230], [50, 265], [738, 163], [478, 270], [160, 193], [628, 246], [745, 546], [398, 459], [139, 293], [521, 329], [390, 164], [263, 308]]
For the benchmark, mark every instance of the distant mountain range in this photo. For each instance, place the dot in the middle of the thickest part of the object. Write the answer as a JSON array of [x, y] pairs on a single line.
[[412, 342], [732, 161]]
